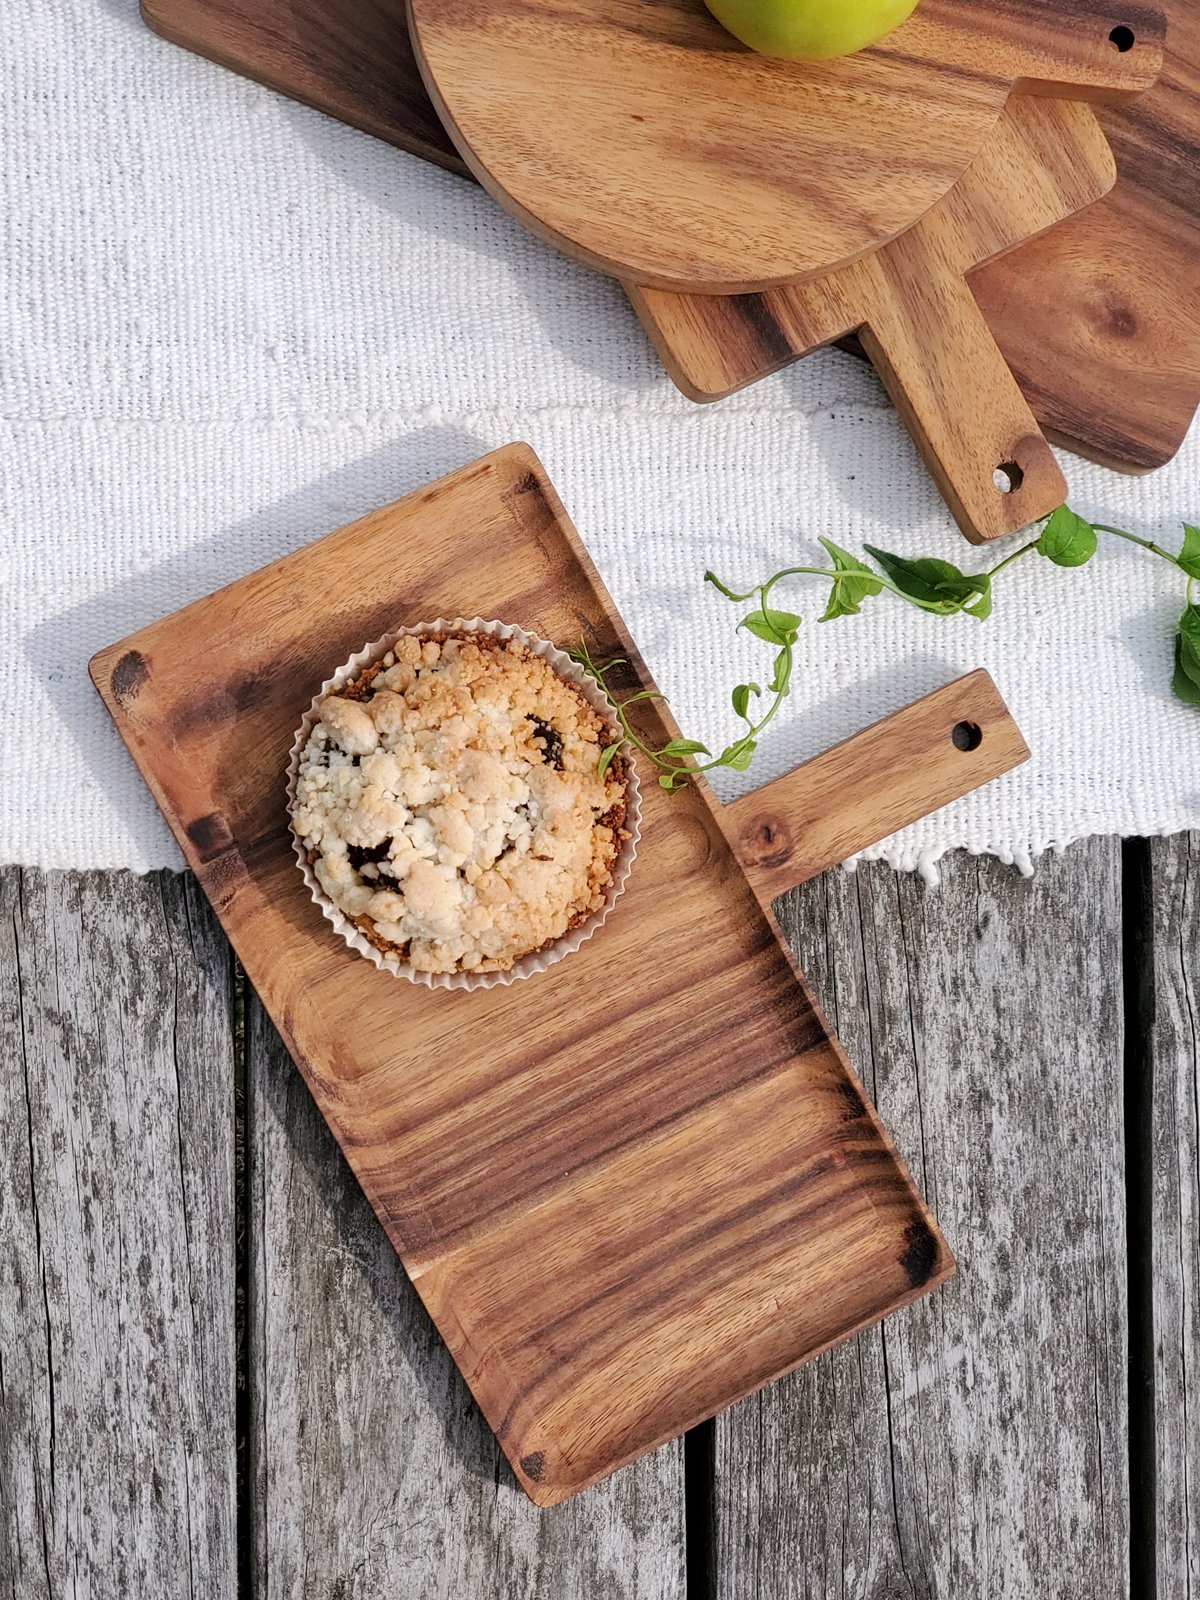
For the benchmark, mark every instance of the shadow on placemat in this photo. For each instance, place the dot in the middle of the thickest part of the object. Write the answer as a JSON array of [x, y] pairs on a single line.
[[309, 512]]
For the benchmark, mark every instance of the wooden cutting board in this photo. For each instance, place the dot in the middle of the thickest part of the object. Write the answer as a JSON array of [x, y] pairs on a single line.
[[1099, 320], [918, 322], [645, 1182], [642, 138]]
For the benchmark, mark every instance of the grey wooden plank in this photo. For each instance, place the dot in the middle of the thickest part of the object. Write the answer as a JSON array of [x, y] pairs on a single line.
[[116, 1193], [1175, 1046], [373, 1471], [976, 1443]]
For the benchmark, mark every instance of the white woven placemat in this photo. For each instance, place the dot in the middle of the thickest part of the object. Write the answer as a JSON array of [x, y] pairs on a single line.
[[228, 324]]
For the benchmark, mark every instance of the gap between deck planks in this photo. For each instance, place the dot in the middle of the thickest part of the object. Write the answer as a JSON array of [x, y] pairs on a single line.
[[974, 1446]]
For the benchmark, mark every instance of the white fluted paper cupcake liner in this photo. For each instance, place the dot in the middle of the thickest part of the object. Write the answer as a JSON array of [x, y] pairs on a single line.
[[536, 960]]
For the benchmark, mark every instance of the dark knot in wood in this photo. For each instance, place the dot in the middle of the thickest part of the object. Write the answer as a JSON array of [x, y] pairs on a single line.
[[768, 843]]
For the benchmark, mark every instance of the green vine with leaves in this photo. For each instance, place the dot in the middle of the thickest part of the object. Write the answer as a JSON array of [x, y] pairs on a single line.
[[927, 582]]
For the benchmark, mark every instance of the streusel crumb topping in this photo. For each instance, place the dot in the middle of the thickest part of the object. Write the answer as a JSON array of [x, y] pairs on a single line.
[[450, 804]]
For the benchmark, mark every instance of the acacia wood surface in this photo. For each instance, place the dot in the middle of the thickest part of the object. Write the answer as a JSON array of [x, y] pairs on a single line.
[[117, 1348], [1098, 319], [910, 305], [666, 1265], [856, 793], [642, 138]]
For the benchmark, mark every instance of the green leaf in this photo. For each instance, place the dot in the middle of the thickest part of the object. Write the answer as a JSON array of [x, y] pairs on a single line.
[[741, 697], [606, 757], [782, 675], [983, 606], [839, 604], [1187, 648], [1067, 539], [761, 629], [1184, 686], [738, 755], [928, 579], [670, 781], [684, 747], [848, 592], [1189, 556], [776, 627]]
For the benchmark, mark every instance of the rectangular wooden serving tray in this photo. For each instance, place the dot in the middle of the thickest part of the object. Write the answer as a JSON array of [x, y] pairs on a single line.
[[643, 1183]]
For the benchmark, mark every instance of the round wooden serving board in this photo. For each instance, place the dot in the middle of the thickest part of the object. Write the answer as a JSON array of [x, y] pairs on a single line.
[[640, 136]]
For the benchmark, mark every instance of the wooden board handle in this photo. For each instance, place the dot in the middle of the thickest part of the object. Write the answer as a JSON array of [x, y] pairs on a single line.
[[951, 385], [1098, 50], [933, 751]]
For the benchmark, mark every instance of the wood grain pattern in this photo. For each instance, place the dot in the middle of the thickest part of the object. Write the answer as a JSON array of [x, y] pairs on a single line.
[[910, 1461], [1099, 319], [618, 1222], [351, 59], [910, 305], [643, 139], [963, 1446], [116, 1221], [1173, 947], [374, 1473], [825, 810]]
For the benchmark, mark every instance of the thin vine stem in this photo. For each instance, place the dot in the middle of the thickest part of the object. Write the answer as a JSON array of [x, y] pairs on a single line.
[[1133, 538], [931, 585]]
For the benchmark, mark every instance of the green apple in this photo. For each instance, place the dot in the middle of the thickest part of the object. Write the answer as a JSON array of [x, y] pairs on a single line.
[[810, 30]]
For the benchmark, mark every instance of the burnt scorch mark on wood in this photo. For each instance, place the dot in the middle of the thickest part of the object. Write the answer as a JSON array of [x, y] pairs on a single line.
[[210, 835], [755, 314], [854, 1107], [222, 703], [129, 676], [529, 484], [246, 692], [1117, 319], [534, 1465], [919, 1256]]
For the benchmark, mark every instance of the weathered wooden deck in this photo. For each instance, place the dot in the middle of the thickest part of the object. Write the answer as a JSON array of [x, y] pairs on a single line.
[[216, 1381]]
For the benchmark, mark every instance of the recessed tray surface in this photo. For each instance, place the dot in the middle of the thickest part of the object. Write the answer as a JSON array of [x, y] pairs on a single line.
[[630, 1189]]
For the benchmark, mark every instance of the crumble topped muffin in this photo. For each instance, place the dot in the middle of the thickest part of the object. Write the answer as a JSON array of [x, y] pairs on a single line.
[[449, 803]]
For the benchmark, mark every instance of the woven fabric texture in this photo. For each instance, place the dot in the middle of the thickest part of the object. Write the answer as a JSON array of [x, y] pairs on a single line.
[[228, 324]]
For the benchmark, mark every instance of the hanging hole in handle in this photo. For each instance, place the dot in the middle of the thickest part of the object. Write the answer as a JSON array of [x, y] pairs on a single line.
[[1008, 477], [966, 736], [1124, 38]]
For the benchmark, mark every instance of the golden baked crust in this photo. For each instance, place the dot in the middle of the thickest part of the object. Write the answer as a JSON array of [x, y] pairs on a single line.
[[449, 802]]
